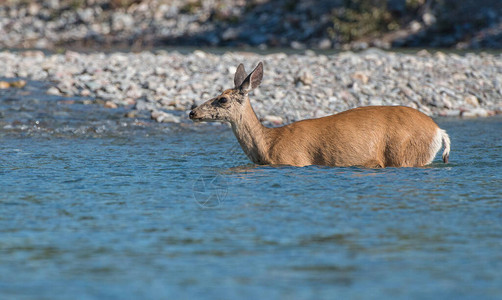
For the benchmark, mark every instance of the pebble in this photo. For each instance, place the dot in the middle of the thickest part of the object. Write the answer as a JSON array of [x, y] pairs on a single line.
[[451, 113], [144, 104], [163, 117], [110, 104], [361, 77], [132, 114], [12, 84], [471, 100], [477, 112], [85, 93], [53, 91], [4, 85], [305, 78]]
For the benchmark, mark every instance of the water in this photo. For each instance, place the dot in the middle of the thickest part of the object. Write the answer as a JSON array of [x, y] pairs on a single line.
[[100, 206]]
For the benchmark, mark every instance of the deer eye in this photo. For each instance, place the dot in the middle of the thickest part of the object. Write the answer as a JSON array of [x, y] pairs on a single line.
[[223, 100]]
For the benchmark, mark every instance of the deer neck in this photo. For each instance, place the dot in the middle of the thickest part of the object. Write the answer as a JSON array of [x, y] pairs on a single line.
[[252, 135]]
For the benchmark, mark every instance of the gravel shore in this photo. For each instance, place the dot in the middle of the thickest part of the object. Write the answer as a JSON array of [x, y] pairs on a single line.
[[295, 86]]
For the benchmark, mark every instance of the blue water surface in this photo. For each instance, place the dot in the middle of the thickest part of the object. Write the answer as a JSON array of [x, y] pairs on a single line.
[[95, 205]]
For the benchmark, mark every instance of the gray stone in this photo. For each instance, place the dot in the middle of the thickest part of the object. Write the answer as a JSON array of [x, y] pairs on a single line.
[[163, 117], [54, 91], [324, 44], [141, 104]]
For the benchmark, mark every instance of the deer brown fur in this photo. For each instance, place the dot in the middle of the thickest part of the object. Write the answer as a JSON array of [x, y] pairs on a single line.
[[373, 136]]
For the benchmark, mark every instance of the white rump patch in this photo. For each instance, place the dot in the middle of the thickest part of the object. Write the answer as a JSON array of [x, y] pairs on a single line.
[[436, 143]]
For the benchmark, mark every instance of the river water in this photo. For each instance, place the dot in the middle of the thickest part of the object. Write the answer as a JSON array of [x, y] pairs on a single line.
[[95, 205]]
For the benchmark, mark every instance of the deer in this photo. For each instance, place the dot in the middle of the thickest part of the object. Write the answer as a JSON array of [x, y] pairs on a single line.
[[367, 136]]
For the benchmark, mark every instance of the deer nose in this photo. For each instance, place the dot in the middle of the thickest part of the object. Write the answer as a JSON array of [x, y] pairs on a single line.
[[191, 115]]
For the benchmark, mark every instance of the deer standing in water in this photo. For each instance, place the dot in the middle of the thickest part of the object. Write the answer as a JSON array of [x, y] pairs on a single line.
[[372, 136]]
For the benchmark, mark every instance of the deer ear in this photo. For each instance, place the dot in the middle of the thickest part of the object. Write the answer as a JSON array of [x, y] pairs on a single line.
[[253, 80], [240, 75]]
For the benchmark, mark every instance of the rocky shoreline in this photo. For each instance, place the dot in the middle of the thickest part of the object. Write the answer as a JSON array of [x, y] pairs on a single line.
[[295, 86], [313, 24]]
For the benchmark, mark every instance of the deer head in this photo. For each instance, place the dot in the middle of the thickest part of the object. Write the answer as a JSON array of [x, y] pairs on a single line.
[[230, 105]]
